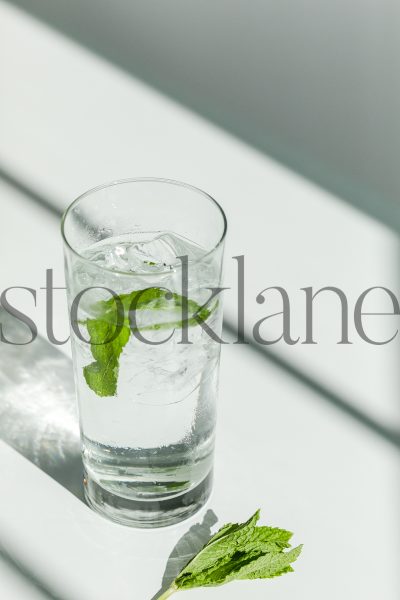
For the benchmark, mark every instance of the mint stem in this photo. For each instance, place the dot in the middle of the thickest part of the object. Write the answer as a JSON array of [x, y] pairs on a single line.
[[167, 593]]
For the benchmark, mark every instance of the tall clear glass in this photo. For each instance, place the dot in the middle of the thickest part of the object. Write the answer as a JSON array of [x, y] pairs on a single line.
[[141, 257]]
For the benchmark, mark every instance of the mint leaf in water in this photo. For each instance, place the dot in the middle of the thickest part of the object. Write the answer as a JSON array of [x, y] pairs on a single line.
[[238, 551], [102, 374]]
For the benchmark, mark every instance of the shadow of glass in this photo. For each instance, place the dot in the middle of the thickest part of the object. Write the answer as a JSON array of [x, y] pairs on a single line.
[[187, 547], [37, 405]]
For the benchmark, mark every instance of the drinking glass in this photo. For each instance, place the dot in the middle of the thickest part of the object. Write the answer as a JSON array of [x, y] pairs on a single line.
[[143, 261]]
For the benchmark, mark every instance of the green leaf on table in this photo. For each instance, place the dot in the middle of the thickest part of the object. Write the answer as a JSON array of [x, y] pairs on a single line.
[[238, 551]]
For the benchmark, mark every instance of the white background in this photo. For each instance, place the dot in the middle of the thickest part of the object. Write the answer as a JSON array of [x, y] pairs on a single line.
[[314, 462]]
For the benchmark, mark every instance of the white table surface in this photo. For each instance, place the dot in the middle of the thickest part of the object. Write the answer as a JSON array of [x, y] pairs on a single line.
[[69, 121]]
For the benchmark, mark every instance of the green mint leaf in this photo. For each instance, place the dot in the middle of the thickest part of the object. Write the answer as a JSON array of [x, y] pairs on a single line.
[[235, 552], [102, 374], [219, 548], [269, 565]]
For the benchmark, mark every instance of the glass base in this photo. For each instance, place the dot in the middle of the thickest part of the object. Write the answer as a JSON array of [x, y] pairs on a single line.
[[147, 513]]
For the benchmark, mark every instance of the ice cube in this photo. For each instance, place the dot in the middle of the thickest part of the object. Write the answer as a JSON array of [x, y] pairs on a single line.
[[161, 253], [116, 258]]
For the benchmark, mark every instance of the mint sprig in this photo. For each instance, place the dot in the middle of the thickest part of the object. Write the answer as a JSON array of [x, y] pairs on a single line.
[[235, 552], [102, 374]]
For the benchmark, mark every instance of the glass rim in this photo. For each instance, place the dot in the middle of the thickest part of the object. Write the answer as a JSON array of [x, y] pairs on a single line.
[[137, 180]]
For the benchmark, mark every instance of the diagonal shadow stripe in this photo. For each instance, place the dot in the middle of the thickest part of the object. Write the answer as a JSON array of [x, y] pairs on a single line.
[[391, 435], [28, 575], [30, 192], [75, 21]]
